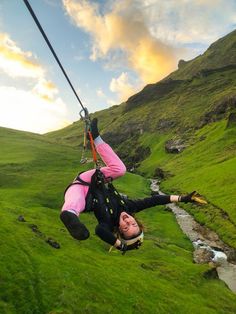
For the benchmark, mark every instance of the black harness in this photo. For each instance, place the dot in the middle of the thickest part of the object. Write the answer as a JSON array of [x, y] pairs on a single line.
[[101, 193]]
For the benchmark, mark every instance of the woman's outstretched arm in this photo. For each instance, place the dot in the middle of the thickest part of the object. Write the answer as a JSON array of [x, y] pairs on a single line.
[[138, 205], [135, 206]]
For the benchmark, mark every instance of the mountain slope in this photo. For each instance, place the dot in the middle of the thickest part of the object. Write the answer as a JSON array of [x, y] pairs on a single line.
[[221, 54]]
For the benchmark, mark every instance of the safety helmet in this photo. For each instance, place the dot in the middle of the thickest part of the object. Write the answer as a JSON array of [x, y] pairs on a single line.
[[131, 244]]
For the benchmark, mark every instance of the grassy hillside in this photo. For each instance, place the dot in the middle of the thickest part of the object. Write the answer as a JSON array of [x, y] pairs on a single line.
[[220, 54], [208, 166], [82, 277]]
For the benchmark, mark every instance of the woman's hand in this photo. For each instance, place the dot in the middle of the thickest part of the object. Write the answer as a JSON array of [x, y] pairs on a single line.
[[193, 197], [186, 198], [117, 243], [121, 246]]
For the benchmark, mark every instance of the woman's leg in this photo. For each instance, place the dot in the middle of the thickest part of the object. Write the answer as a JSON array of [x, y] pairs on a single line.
[[74, 204], [75, 199], [114, 166]]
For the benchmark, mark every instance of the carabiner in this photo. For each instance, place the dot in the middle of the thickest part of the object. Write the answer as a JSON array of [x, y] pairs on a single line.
[[86, 114]]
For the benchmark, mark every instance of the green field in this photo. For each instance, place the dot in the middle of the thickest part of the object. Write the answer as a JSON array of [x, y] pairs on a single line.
[[83, 277]]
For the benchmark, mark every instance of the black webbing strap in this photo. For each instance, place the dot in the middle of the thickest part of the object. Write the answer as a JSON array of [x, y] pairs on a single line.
[[79, 181], [118, 196]]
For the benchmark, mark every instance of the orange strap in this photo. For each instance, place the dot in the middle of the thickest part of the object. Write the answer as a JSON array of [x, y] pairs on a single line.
[[93, 147]]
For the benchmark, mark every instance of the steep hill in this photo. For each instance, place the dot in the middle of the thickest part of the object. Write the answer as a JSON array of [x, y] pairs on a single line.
[[220, 55], [182, 130], [82, 277]]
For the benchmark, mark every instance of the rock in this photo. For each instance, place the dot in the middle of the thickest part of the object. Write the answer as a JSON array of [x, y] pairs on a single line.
[[202, 138], [231, 120], [141, 153], [202, 256], [132, 169], [231, 255], [211, 274], [174, 146], [35, 229], [220, 110], [132, 160], [165, 124], [181, 63], [207, 234], [127, 131], [219, 257], [21, 219], [53, 243], [159, 173]]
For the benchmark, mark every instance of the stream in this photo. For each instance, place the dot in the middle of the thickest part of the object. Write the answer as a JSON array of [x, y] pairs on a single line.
[[208, 247]]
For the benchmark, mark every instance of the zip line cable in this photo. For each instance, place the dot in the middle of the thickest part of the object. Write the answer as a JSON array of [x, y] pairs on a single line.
[[84, 117], [53, 52]]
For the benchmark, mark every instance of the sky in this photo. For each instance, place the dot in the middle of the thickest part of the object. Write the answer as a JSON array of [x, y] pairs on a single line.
[[110, 50]]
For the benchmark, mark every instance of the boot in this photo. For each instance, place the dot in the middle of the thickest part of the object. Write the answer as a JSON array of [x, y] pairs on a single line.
[[94, 128], [74, 226]]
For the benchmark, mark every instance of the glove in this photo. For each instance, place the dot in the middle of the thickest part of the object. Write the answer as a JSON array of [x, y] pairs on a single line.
[[123, 248], [193, 197], [186, 198]]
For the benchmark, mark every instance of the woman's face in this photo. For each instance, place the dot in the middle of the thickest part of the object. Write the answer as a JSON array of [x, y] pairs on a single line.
[[128, 225]]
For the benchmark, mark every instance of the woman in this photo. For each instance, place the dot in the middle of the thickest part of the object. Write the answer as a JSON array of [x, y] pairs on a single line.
[[120, 220]]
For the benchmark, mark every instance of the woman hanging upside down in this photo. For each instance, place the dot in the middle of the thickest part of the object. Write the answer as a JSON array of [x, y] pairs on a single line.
[[118, 227]]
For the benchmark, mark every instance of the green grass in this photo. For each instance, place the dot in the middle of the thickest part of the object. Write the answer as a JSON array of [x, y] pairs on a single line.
[[83, 277], [207, 165]]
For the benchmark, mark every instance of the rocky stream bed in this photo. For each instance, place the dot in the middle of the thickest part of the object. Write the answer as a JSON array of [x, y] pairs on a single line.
[[207, 244]]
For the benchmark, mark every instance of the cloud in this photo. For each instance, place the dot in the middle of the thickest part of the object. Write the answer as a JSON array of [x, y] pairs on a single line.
[[45, 89], [53, 3], [20, 64], [16, 63], [24, 110], [100, 93], [122, 87], [124, 28], [38, 109], [152, 34], [190, 21], [79, 58]]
